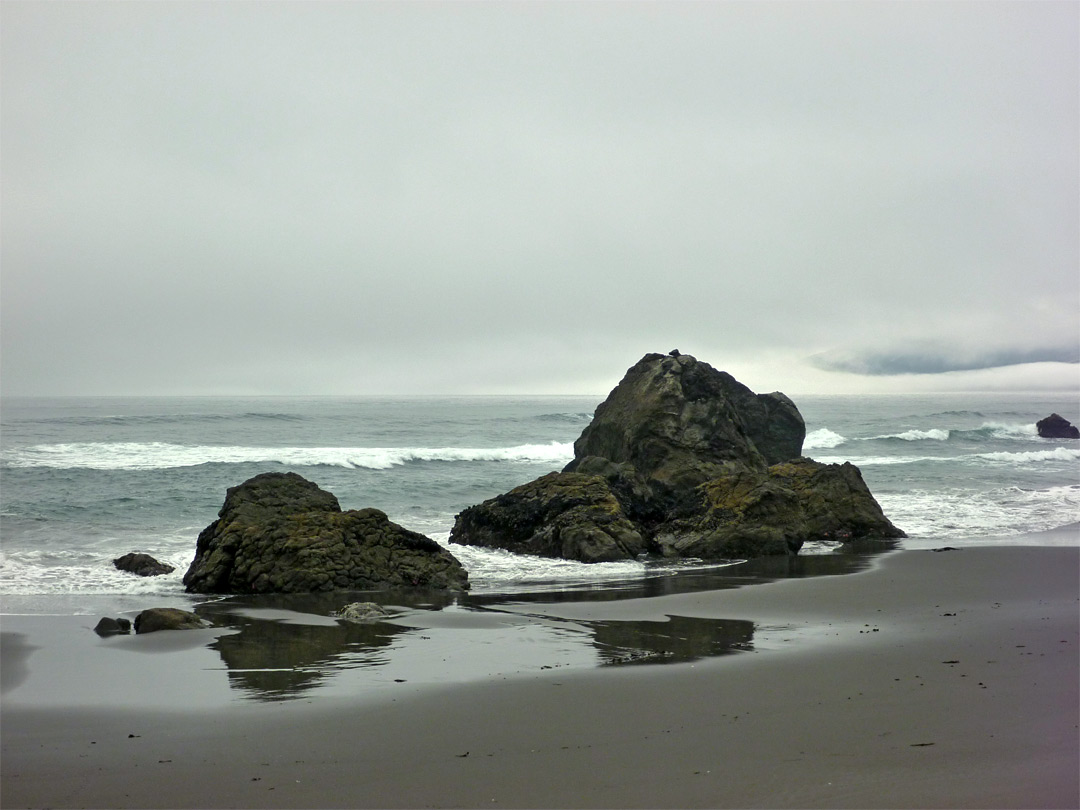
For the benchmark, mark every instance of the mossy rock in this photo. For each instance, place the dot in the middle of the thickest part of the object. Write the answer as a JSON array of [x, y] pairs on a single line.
[[152, 620], [747, 513], [682, 460], [836, 500], [568, 515], [268, 540], [739, 515]]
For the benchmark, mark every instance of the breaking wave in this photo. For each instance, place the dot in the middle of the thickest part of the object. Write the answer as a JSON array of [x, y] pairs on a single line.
[[934, 434], [161, 455], [1057, 454], [1029, 457], [944, 514], [822, 439], [1005, 430], [986, 432]]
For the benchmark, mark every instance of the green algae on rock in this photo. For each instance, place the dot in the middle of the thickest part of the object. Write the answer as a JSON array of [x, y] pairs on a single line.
[[280, 533], [562, 514], [682, 460]]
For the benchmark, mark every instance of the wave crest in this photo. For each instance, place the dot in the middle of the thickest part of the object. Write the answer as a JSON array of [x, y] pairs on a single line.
[[161, 455], [934, 434], [1057, 454], [941, 514], [1008, 430], [1029, 457], [822, 439]]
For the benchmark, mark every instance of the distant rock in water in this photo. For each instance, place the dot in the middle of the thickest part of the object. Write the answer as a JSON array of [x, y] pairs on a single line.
[[280, 533], [1057, 427], [682, 460], [142, 565]]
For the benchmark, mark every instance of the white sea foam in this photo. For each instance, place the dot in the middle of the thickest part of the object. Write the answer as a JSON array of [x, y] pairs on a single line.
[[33, 571], [1029, 457], [161, 455], [934, 434], [1056, 454], [1010, 430], [993, 430], [493, 569], [497, 569], [822, 439], [870, 461], [935, 515]]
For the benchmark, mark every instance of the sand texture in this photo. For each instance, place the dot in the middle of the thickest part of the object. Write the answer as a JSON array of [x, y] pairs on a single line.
[[933, 679]]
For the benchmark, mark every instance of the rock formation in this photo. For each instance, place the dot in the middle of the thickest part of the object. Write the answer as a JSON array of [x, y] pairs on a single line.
[[112, 627], [680, 421], [1057, 427], [564, 514], [681, 460], [362, 612], [153, 619], [142, 565], [280, 533]]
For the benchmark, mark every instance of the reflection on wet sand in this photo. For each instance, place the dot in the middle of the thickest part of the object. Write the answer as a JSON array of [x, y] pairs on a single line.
[[14, 654], [289, 644], [275, 659], [679, 639]]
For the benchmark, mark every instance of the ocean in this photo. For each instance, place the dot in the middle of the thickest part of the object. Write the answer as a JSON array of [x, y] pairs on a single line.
[[85, 480]]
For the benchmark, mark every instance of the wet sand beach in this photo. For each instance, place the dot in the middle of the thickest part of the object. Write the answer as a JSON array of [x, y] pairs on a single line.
[[932, 679]]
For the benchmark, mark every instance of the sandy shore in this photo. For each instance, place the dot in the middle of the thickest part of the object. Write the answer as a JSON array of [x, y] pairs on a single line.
[[931, 680]]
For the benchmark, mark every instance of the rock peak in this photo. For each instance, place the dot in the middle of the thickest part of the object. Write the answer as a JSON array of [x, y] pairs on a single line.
[[679, 420]]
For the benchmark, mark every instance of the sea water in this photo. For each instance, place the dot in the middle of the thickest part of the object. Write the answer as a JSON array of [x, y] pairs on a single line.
[[85, 480]]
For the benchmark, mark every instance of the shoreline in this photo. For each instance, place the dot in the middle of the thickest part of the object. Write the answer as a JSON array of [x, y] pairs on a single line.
[[928, 680]]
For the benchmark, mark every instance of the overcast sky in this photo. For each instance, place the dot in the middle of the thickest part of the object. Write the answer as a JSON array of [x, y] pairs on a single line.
[[355, 198]]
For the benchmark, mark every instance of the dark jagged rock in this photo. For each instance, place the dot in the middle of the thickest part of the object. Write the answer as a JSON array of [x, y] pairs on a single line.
[[568, 515], [680, 421], [112, 627], [154, 619], [682, 460], [1057, 427], [142, 565], [779, 430], [280, 533]]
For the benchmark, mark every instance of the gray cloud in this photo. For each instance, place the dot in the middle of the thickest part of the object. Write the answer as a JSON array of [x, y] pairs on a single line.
[[370, 197], [939, 362]]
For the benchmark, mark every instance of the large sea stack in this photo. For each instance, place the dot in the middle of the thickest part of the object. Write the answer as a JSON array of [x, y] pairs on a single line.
[[682, 460], [280, 533]]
